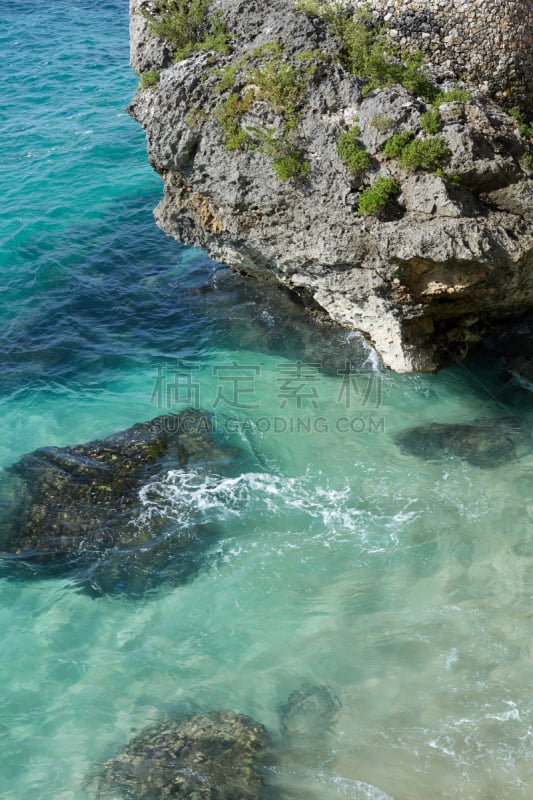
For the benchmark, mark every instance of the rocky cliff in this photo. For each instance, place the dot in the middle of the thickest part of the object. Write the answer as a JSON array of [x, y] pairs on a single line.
[[296, 145]]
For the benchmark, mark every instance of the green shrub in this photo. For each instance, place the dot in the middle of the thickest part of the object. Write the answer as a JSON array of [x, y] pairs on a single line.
[[453, 180], [427, 154], [383, 123], [291, 166], [366, 53], [310, 7], [526, 129], [269, 49], [452, 96], [217, 37], [414, 79], [351, 151], [185, 24], [149, 80], [416, 154], [310, 55], [526, 162], [229, 114], [376, 199], [226, 76], [195, 117], [282, 86], [288, 161], [395, 146], [430, 121]]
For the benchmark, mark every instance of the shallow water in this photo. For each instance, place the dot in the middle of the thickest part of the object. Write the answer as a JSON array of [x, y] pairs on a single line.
[[404, 586]]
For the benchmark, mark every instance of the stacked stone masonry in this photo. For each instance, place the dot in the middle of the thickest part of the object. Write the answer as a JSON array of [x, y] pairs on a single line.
[[487, 42]]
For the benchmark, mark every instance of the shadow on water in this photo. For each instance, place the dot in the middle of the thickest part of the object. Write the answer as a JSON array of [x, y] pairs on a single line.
[[99, 301], [271, 319]]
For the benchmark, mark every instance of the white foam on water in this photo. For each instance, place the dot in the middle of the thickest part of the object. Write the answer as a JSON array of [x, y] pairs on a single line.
[[353, 789], [184, 495]]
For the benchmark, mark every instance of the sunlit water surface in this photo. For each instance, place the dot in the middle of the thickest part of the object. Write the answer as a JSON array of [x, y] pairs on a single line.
[[403, 586]]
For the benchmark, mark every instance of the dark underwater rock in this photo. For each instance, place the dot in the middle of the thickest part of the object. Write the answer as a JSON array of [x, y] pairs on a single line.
[[309, 710], [77, 509], [214, 756], [483, 442]]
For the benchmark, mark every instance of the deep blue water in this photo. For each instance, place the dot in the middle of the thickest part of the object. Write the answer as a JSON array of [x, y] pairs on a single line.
[[405, 587]]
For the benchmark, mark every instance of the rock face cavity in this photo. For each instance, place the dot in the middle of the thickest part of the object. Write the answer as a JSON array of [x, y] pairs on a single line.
[[258, 152]]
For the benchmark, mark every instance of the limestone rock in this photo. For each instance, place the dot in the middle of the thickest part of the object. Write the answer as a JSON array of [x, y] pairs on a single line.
[[430, 195], [420, 282], [150, 53], [515, 199]]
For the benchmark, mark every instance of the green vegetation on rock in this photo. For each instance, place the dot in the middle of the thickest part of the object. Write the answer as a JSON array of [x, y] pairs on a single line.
[[365, 51], [312, 8], [376, 199], [526, 162], [381, 123], [525, 128], [430, 121], [453, 180], [229, 114], [452, 96], [187, 26], [291, 165], [227, 76], [195, 117], [351, 151], [415, 154], [282, 87], [149, 80], [426, 154], [395, 146]]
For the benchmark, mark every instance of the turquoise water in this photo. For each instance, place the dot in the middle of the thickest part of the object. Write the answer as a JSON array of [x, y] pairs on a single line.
[[406, 587]]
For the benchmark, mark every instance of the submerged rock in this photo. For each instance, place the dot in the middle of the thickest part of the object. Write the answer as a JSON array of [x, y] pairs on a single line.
[[309, 710], [214, 756], [483, 442], [78, 512]]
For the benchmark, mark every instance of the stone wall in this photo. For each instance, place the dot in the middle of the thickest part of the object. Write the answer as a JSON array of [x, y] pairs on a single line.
[[487, 42]]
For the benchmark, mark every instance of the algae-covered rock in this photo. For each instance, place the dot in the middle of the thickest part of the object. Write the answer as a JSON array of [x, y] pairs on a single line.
[[483, 443], [78, 512], [214, 756]]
